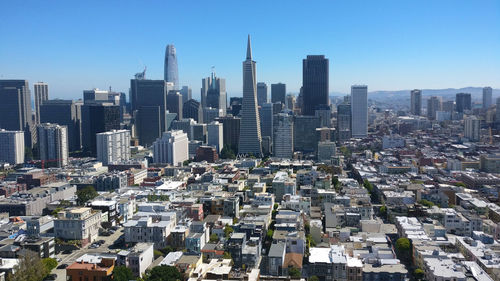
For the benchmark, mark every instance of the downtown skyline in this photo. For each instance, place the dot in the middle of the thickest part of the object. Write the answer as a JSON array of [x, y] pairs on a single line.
[[387, 50]]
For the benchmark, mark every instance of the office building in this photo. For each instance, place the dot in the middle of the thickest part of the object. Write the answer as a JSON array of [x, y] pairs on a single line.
[[261, 93], [314, 83], [304, 133], [448, 106], [192, 109], [359, 111], [174, 103], [290, 102], [278, 93], [171, 72], [65, 113], [416, 102], [344, 121], [324, 113], [187, 93], [12, 147], [185, 125], [113, 147], [283, 136], [231, 131], [463, 102], [487, 97], [199, 132], [95, 96], [41, 91], [210, 114], [250, 138], [472, 130], [171, 148], [98, 118], [15, 108], [149, 106], [213, 93], [326, 150], [433, 105], [215, 135], [266, 120], [53, 144]]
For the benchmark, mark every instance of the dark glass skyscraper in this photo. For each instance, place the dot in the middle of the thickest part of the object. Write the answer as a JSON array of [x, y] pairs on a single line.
[[15, 108], [174, 103], [192, 109], [314, 83], [98, 118], [278, 93], [463, 102], [67, 113], [171, 71]]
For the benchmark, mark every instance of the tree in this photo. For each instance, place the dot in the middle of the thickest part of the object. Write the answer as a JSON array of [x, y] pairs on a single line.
[[167, 250], [383, 211], [86, 194], [122, 273], [163, 273], [294, 272], [227, 256], [49, 264], [313, 278], [227, 153], [227, 231], [418, 274], [214, 238], [426, 203], [157, 254], [30, 268], [269, 234], [403, 249]]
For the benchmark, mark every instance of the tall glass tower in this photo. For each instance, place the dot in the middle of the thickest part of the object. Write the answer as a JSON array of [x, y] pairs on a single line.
[[250, 139], [171, 70]]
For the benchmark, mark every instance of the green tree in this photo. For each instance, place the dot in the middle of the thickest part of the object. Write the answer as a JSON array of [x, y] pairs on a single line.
[[275, 206], [49, 264], [383, 211], [426, 203], [269, 234], [294, 272], [227, 231], [214, 238], [313, 278], [163, 273], [460, 184], [86, 194], [30, 268], [418, 274], [403, 249], [227, 255], [157, 254], [122, 273], [167, 250], [227, 153]]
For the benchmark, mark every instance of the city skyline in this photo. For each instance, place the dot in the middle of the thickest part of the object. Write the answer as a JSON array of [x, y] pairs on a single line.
[[389, 52]]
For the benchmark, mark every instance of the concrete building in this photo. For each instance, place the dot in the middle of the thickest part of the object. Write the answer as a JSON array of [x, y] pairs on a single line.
[[41, 91], [78, 224], [261, 93], [65, 113], [416, 102], [171, 148], [213, 93], [283, 184], [266, 120], [113, 147], [359, 111], [472, 128], [487, 97], [138, 258], [215, 135], [283, 136], [344, 122], [174, 103], [150, 228], [53, 144], [433, 106], [326, 150], [12, 147], [278, 93], [15, 108]]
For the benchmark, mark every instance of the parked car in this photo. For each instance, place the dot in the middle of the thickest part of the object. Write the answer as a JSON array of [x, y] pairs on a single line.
[[51, 277], [62, 266]]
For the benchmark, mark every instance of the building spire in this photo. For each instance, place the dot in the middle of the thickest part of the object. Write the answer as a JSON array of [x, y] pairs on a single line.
[[249, 49]]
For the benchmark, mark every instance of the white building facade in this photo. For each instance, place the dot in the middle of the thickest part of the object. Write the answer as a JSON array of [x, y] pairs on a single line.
[[171, 148], [113, 146]]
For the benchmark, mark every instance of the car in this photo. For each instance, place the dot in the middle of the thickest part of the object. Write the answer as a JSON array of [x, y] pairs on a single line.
[[67, 252], [114, 228], [62, 266], [101, 241], [111, 231], [51, 277]]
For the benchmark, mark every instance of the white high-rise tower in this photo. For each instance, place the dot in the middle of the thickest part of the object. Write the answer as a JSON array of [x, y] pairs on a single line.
[[250, 139]]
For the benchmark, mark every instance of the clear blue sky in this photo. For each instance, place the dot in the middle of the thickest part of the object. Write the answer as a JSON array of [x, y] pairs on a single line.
[[388, 45]]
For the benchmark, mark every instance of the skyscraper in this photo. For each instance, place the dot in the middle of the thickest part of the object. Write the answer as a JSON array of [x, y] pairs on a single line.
[[12, 147], [250, 138], [290, 102], [192, 109], [215, 136], [304, 133], [231, 129], [98, 118], [463, 102], [266, 120], [213, 92], [314, 83], [487, 97], [15, 108], [66, 113], [171, 148], [261, 93], [283, 136], [113, 146], [344, 121], [174, 103], [472, 128], [41, 95], [95, 95], [171, 72], [186, 93], [433, 105], [359, 111], [416, 102], [53, 144], [278, 93]]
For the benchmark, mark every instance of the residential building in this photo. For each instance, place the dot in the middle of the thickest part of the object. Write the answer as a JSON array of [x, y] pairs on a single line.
[[283, 136], [472, 128], [113, 147], [78, 224], [12, 147], [53, 144], [171, 148]]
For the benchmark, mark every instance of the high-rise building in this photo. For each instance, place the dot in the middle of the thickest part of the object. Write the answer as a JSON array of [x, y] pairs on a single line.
[[41, 90], [186, 93], [192, 109], [266, 120], [98, 118], [487, 97], [359, 111], [326, 150], [149, 106], [278, 93], [304, 133], [344, 121], [314, 83], [448, 106], [185, 125], [65, 113], [416, 102], [231, 129], [463, 102], [213, 92], [250, 139], [472, 130], [290, 102], [433, 105], [174, 103], [171, 148], [215, 136], [53, 144], [497, 117], [210, 114], [15, 108], [113, 146], [199, 132], [261, 93], [171, 72], [283, 136], [95, 95], [325, 115], [12, 147]]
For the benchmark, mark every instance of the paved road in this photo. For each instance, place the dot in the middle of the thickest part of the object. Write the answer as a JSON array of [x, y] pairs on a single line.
[[71, 258]]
